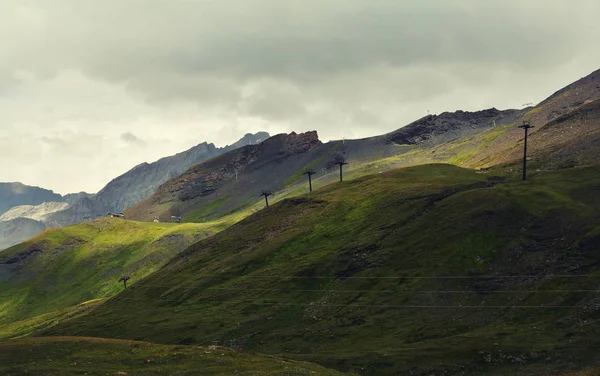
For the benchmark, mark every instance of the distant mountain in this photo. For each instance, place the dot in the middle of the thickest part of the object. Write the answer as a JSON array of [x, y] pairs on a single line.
[[71, 198], [142, 181], [16, 194], [36, 209], [40, 212], [17, 230], [82, 210]]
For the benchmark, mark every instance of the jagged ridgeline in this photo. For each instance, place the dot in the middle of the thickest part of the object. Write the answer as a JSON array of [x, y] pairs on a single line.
[[26, 211]]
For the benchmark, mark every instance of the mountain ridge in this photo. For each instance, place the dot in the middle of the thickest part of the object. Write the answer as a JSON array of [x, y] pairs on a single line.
[[143, 180]]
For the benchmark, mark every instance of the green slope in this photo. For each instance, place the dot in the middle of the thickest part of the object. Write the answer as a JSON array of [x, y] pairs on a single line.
[[425, 269], [67, 266], [65, 356]]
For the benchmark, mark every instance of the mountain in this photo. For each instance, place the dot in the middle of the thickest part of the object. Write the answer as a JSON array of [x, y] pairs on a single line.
[[429, 269], [16, 194], [122, 192], [71, 198], [233, 180], [23, 222], [568, 119], [17, 230], [450, 125], [40, 213], [432, 269], [142, 181]]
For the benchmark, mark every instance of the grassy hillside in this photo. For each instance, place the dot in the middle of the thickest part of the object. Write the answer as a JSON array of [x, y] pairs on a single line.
[[65, 356], [63, 267], [25, 327], [425, 269]]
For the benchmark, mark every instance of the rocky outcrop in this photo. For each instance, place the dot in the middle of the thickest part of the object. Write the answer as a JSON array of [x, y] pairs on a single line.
[[447, 126], [143, 180], [16, 194]]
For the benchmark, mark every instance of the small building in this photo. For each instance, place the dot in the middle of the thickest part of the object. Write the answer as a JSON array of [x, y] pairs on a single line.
[[116, 215], [156, 219], [175, 219]]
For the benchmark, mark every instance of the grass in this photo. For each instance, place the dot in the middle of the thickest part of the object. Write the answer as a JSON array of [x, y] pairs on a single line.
[[28, 326], [64, 356], [353, 277], [64, 267]]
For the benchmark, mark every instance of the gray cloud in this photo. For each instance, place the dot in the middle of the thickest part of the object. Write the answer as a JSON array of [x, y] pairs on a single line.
[[180, 72], [132, 139]]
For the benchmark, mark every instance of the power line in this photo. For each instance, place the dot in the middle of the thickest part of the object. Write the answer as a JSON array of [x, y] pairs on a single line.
[[375, 291], [394, 306], [400, 277]]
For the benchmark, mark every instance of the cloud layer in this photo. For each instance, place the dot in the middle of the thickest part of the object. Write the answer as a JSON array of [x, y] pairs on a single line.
[[90, 89]]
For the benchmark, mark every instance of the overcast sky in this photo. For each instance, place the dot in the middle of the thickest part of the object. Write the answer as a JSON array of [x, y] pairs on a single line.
[[89, 89]]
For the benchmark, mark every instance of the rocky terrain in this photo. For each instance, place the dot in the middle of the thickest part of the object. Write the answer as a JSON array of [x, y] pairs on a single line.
[[450, 125]]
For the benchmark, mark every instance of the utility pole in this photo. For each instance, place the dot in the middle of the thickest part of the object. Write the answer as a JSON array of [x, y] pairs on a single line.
[[124, 279], [310, 173], [526, 126], [266, 194]]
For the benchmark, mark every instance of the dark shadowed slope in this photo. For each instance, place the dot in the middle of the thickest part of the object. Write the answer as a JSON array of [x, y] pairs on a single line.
[[64, 356], [426, 269]]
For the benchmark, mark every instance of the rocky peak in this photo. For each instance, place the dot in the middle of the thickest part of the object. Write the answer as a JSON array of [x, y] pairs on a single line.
[[292, 143]]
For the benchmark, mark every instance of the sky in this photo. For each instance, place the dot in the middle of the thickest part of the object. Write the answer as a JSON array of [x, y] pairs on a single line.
[[89, 89]]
